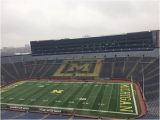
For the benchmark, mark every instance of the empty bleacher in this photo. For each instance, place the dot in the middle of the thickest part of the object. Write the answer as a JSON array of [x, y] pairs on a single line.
[[138, 68]]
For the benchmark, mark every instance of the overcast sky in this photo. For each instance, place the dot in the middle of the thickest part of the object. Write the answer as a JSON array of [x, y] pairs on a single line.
[[23, 21]]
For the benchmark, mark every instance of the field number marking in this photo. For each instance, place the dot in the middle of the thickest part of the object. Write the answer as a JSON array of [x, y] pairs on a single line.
[[82, 98], [57, 91]]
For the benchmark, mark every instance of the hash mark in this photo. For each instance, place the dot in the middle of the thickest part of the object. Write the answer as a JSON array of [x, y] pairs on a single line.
[[85, 103], [101, 104], [71, 102], [58, 101], [32, 99], [11, 98], [21, 99]]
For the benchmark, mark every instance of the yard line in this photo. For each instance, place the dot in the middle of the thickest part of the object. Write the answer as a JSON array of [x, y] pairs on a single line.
[[109, 98], [40, 94], [117, 98], [18, 92], [98, 98], [48, 95], [9, 91], [56, 98], [105, 98], [134, 100], [92, 96], [67, 97], [29, 92], [63, 108], [79, 95], [85, 94]]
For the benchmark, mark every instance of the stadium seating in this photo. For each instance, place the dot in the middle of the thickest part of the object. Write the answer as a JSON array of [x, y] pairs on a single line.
[[23, 115], [10, 114], [137, 68], [127, 56], [31, 116]]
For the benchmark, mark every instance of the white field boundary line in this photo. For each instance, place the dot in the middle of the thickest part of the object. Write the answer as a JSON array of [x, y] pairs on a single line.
[[134, 100], [66, 82], [62, 108], [78, 82], [10, 87]]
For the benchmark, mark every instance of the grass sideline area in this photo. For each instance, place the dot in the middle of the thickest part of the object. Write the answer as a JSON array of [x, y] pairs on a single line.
[[112, 99]]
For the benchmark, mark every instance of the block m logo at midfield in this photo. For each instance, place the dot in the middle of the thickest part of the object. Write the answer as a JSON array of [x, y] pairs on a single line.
[[79, 68]]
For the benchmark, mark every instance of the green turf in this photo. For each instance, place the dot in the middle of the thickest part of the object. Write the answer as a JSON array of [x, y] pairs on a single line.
[[97, 99]]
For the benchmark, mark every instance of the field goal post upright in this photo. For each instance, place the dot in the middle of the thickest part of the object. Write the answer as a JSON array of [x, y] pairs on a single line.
[[143, 80], [131, 79]]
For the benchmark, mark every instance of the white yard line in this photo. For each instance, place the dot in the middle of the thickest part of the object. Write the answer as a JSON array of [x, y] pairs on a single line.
[[118, 96], [134, 100], [63, 108], [109, 98]]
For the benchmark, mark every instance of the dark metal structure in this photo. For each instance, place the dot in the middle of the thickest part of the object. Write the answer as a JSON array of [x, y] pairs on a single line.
[[138, 41]]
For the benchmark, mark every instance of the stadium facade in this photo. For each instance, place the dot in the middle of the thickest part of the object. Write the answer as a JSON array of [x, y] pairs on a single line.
[[121, 57], [140, 41]]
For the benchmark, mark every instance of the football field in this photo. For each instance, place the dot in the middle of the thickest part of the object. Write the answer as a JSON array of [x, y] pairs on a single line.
[[112, 99]]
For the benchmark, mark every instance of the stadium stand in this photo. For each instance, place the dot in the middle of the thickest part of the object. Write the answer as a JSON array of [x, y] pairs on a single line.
[[112, 68], [127, 42], [22, 115], [140, 66]]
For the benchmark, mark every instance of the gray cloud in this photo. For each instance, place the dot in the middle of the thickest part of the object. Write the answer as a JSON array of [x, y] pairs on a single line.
[[26, 20]]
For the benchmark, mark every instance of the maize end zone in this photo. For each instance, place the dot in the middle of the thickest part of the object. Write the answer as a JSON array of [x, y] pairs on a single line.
[[114, 98]]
